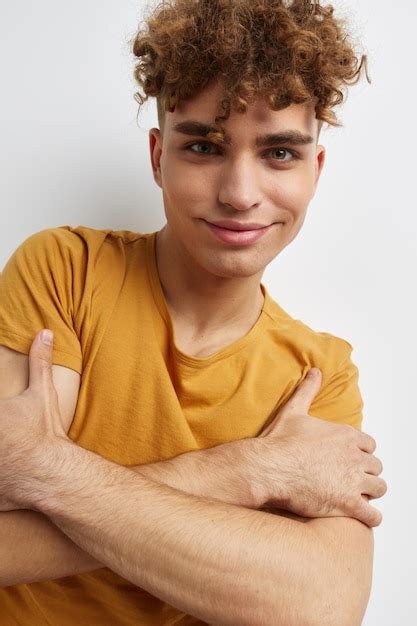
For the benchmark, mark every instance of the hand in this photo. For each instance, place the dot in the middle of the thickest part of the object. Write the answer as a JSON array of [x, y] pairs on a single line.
[[30, 425], [316, 468]]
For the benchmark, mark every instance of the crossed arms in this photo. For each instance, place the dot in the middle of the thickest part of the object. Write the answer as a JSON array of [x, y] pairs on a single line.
[[178, 537]]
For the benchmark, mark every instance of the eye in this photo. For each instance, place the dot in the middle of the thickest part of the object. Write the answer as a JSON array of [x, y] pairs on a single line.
[[285, 155], [206, 144], [284, 152]]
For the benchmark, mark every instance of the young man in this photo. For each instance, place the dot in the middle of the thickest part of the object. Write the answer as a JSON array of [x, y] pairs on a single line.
[[178, 408]]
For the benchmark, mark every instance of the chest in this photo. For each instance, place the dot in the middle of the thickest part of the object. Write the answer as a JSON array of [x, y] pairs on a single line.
[[140, 402]]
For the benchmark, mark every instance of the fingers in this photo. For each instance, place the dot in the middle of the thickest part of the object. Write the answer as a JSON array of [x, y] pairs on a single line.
[[371, 464], [303, 396], [367, 514], [366, 442], [300, 401], [373, 486], [40, 359]]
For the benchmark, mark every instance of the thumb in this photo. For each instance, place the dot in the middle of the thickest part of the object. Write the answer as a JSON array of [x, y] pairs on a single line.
[[40, 358], [303, 396]]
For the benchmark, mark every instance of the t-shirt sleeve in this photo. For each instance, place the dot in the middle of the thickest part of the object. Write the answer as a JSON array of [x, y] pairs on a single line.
[[340, 399], [41, 286]]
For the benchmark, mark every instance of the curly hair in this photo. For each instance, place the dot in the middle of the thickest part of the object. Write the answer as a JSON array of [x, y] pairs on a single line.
[[290, 51]]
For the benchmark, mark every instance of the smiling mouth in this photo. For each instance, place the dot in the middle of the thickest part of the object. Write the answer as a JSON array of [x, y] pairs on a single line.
[[241, 228], [233, 237]]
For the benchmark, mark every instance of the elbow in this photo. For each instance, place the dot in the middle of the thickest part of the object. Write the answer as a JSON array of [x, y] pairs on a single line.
[[327, 609], [336, 619], [326, 614], [336, 611], [346, 563], [331, 618]]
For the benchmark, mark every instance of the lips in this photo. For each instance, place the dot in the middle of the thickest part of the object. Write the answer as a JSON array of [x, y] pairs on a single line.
[[238, 237], [238, 226]]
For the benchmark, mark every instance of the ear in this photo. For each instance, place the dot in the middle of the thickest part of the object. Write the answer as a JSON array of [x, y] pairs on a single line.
[[155, 147], [320, 159]]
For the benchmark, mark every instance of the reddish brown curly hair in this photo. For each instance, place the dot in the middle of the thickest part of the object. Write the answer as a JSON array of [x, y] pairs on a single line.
[[290, 51]]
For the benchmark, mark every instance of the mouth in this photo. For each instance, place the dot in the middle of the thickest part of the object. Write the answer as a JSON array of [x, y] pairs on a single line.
[[239, 237], [239, 226]]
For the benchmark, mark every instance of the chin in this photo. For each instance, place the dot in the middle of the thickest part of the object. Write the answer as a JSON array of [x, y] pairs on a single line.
[[236, 274], [232, 267]]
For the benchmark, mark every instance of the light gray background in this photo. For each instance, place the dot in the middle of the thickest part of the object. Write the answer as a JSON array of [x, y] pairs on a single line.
[[71, 152]]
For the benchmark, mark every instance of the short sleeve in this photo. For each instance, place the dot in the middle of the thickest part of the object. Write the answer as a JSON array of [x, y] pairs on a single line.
[[41, 286], [340, 399]]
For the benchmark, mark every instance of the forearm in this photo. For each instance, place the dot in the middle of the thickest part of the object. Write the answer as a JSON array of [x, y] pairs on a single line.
[[216, 561], [218, 473], [32, 548]]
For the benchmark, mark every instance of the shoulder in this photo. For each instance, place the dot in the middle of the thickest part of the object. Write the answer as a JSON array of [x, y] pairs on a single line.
[[71, 246], [328, 347], [49, 246], [339, 398], [318, 347], [67, 236]]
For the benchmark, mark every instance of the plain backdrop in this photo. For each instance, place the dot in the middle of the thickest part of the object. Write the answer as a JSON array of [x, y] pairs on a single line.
[[72, 152]]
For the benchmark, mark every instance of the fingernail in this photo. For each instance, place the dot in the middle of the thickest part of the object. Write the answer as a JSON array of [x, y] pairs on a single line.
[[313, 372], [47, 336]]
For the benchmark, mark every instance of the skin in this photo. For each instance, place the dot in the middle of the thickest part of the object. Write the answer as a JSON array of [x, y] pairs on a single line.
[[213, 288], [253, 569], [201, 278]]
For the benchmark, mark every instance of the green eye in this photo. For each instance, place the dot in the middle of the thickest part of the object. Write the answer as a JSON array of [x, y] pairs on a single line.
[[283, 152], [200, 143], [285, 155]]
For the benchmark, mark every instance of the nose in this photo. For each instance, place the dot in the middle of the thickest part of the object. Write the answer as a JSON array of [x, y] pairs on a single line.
[[239, 185]]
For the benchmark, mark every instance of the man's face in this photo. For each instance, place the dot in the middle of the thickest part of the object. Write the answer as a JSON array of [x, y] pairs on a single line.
[[205, 182]]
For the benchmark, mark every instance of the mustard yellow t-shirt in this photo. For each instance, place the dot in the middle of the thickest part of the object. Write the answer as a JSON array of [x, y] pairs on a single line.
[[142, 399]]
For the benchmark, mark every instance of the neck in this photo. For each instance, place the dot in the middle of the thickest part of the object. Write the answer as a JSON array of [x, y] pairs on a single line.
[[202, 301]]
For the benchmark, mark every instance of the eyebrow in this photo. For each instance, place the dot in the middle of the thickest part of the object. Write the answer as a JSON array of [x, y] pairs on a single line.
[[199, 129]]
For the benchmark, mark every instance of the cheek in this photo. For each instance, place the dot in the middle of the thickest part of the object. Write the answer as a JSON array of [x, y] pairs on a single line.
[[186, 197], [292, 192], [185, 188]]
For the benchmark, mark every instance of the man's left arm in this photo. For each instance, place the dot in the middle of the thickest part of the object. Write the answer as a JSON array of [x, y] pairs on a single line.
[[348, 550], [215, 561]]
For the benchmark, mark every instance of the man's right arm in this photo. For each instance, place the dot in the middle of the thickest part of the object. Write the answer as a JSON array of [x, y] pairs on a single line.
[[32, 548]]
